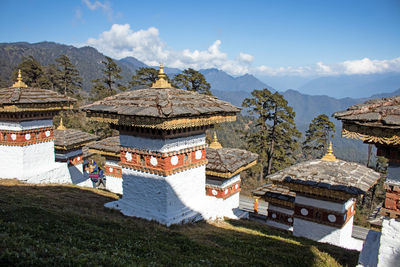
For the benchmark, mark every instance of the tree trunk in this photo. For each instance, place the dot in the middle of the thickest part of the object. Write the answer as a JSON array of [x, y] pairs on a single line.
[[369, 153], [271, 151]]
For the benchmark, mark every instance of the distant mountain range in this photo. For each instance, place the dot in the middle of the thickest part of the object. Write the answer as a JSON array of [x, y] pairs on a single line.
[[355, 86], [226, 87]]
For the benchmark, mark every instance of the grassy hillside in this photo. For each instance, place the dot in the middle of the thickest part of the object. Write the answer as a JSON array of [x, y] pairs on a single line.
[[67, 225]]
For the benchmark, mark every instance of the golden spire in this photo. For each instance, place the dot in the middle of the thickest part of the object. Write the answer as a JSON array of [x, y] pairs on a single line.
[[19, 82], [162, 80], [61, 126], [329, 154], [215, 144]]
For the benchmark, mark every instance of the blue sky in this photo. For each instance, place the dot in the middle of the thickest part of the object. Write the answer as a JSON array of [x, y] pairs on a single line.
[[302, 37]]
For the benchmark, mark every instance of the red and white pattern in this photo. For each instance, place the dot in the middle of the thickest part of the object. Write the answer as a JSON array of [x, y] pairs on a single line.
[[26, 137]]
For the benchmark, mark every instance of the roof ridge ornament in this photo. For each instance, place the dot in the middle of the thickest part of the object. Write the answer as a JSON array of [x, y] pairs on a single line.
[[61, 126], [19, 82], [215, 144], [329, 156], [162, 82]]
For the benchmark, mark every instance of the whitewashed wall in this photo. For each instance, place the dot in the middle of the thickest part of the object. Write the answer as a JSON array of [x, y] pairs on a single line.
[[162, 145], [169, 200], [22, 162]]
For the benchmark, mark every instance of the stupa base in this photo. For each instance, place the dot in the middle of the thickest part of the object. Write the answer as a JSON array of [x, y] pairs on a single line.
[[57, 173], [130, 210]]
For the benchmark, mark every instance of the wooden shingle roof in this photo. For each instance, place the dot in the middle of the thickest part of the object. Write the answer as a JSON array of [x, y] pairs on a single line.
[[381, 112], [227, 162], [327, 177], [275, 194], [375, 121], [110, 145], [17, 99], [162, 108], [70, 138]]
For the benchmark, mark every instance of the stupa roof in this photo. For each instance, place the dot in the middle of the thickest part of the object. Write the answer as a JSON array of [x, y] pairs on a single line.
[[327, 178], [162, 107], [67, 139], [227, 162], [375, 121], [108, 146], [21, 98], [276, 194]]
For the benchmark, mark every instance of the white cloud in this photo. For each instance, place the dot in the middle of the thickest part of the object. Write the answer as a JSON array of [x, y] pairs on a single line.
[[146, 45], [349, 67], [105, 7], [245, 58]]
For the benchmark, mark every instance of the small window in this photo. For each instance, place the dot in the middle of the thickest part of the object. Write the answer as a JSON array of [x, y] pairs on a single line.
[[142, 161]]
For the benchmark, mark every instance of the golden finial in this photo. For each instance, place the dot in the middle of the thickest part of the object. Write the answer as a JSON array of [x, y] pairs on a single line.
[[329, 156], [161, 82], [19, 82], [215, 144], [61, 126]]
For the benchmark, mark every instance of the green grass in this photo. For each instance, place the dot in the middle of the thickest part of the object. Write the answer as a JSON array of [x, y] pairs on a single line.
[[68, 225]]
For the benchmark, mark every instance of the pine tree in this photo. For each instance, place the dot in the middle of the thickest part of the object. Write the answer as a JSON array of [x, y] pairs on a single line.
[[192, 80], [317, 136], [144, 77], [275, 136], [70, 81], [32, 73], [52, 74], [107, 85]]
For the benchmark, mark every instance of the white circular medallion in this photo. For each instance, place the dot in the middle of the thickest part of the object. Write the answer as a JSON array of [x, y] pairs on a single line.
[[198, 154], [153, 161], [110, 169], [13, 137], [290, 220], [174, 160], [332, 218], [28, 136], [79, 158], [274, 215], [304, 212], [47, 133], [128, 156], [214, 192], [236, 186], [226, 191]]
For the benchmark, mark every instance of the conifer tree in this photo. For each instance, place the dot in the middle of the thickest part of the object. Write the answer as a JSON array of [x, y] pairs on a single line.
[[69, 79], [317, 135], [192, 80], [107, 85], [32, 73], [275, 136], [144, 77]]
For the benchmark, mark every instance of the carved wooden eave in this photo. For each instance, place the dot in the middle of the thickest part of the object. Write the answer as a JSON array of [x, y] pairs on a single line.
[[160, 123], [228, 175], [371, 134]]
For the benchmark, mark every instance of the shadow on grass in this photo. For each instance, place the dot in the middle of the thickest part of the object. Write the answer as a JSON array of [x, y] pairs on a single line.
[[67, 225], [341, 255]]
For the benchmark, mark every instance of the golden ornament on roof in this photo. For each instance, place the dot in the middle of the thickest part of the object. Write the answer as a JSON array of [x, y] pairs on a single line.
[[19, 82], [329, 156], [161, 82]]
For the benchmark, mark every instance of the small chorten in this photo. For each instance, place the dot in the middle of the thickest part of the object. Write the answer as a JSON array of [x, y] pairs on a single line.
[[162, 80], [27, 133], [329, 156], [19, 82], [215, 144]]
